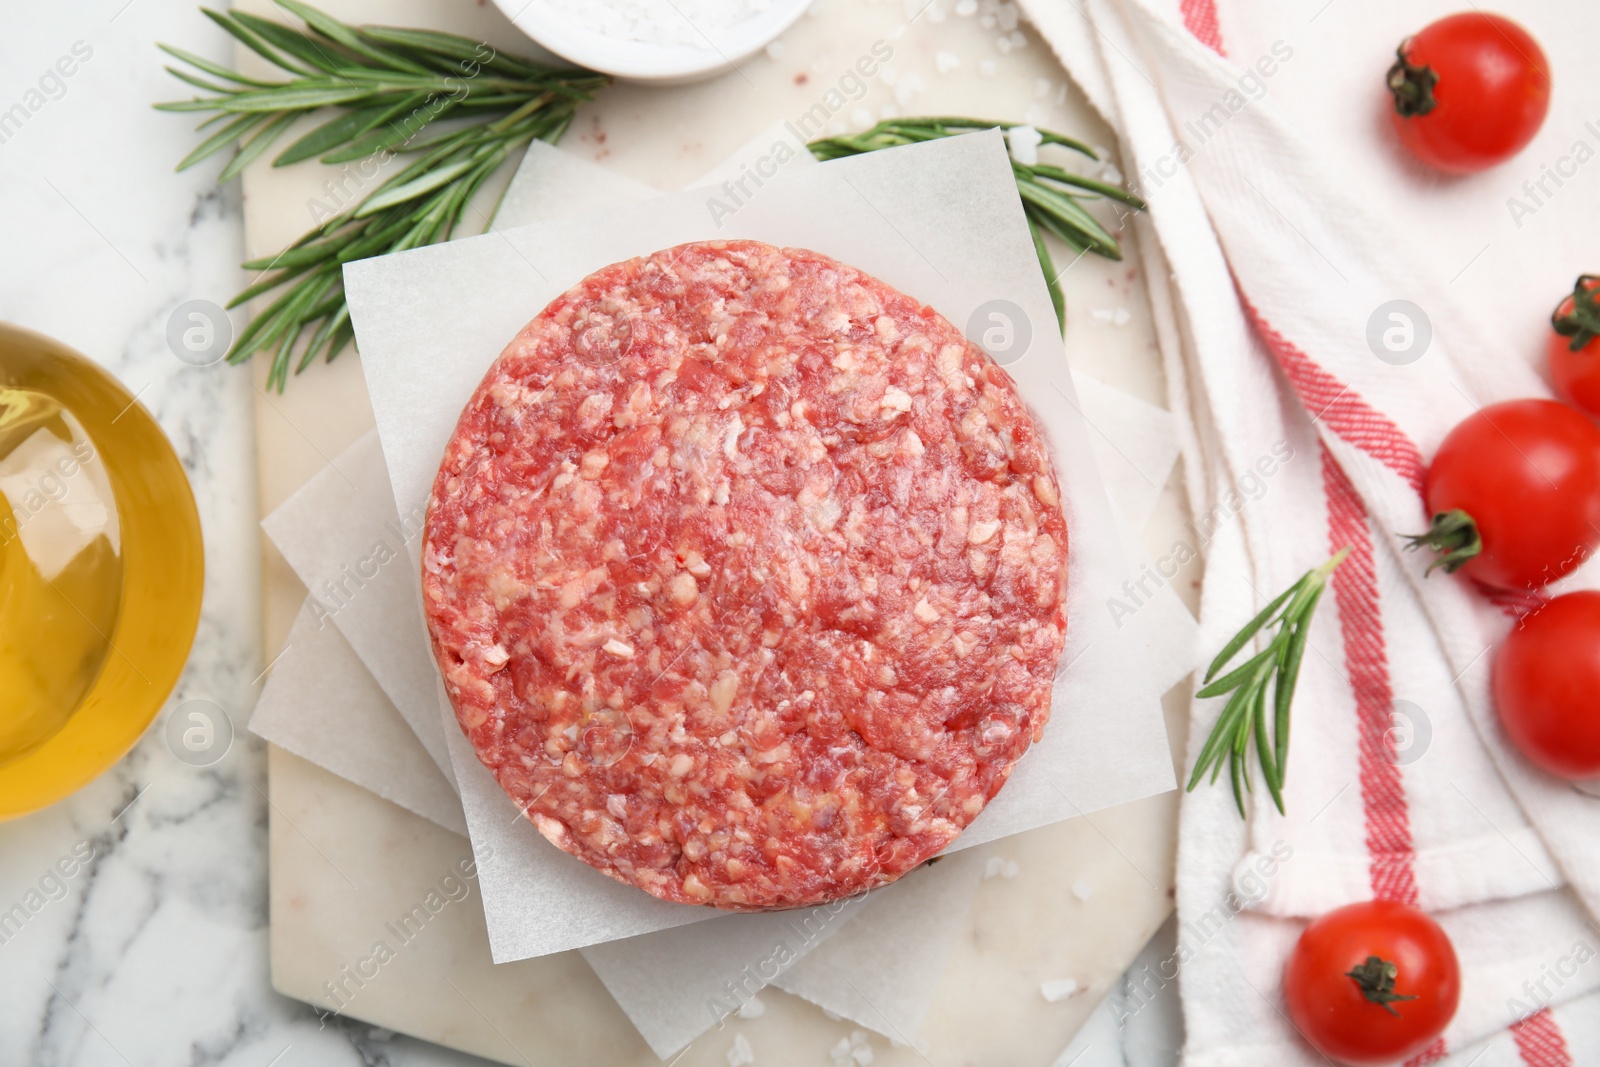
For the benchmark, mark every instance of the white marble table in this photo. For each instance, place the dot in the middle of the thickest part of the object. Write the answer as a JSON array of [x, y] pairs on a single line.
[[156, 952]]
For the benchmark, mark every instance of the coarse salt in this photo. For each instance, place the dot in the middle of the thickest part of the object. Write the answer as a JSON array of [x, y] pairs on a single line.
[[1058, 989], [1024, 142], [660, 22]]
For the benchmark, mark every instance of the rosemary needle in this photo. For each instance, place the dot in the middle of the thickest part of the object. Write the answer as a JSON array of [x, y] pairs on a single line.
[[1051, 196], [455, 110], [1244, 717]]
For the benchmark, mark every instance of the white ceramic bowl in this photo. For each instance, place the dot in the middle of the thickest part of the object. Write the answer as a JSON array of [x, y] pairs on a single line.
[[712, 52]]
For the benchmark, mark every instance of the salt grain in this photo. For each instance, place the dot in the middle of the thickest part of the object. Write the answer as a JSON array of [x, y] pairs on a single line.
[[1058, 989], [967, 8], [659, 22], [1082, 889], [1000, 867], [752, 1009], [945, 62], [986, 68], [741, 1055], [775, 50], [1024, 143]]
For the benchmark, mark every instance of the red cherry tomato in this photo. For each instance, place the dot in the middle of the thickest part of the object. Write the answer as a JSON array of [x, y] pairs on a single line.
[[1547, 682], [1515, 494], [1470, 91], [1575, 346], [1372, 983]]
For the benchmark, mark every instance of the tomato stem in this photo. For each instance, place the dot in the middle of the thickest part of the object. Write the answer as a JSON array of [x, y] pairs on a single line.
[[1580, 321], [1454, 535], [1412, 85], [1376, 978]]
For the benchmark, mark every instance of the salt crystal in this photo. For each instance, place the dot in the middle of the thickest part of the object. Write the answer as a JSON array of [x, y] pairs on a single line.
[[1111, 174], [945, 62], [752, 1009], [740, 1055], [1105, 315], [1019, 39], [1000, 867], [840, 1053], [660, 22], [775, 50], [967, 8], [888, 111], [1024, 143], [1082, 889], [1041, 88], [987, 22], [861, 118], [1003, 43], [911, 85], [1122, 317], [862, 1055], [1058, 989], [986, 68], [1036, 115]]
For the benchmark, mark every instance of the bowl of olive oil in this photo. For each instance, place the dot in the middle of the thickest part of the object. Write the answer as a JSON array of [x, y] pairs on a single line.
[[101, 569]]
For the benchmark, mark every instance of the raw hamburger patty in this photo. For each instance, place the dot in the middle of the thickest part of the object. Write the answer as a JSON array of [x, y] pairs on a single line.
[[745, 573]]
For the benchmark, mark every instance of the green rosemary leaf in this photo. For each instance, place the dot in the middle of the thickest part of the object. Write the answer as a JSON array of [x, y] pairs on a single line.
[[252, 40], [337, 31], [1269, 765], [229, 134], [1249, 631], [331, 134], [1053, 226], [197, 82], [322, 92], [1244, 717], [1052, 282], [216, 70], [408, 118], [1070, 213], [319, 55], [1105, 189], [257, 144]]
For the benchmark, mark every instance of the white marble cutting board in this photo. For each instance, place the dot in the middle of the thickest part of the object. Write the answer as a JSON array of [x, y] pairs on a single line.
[[344, 863]]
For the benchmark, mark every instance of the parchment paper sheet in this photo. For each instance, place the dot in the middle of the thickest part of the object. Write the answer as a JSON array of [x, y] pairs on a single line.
[[941, 220]]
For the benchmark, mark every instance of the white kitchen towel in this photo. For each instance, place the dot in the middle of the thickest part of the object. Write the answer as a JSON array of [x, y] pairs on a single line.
[[1272, 259]]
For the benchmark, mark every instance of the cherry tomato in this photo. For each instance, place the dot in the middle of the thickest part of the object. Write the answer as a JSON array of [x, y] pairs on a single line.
[[1575, 346], [1515, 494], [1546, 681], [1375, 982], [1470, 91]]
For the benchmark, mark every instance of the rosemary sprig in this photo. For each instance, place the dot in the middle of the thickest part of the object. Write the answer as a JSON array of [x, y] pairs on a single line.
[[1051, 196], [456, 108], [1244, 717]]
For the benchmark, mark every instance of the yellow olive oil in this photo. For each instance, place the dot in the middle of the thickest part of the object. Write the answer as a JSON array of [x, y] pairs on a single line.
[[101, 569]]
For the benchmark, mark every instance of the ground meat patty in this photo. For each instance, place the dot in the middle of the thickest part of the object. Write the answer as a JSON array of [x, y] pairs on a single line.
[[745, 573]]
